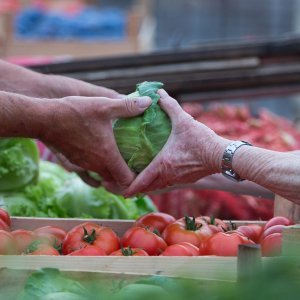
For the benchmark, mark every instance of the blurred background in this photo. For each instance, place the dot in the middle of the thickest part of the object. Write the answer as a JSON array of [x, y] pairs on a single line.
[[80, 37]]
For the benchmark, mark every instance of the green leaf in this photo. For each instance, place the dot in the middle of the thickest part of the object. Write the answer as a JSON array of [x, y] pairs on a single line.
[[19, 163], [44, 283]]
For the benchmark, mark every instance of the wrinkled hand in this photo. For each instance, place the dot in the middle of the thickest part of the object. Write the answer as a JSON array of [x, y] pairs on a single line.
[[81, 129], [192, 151]]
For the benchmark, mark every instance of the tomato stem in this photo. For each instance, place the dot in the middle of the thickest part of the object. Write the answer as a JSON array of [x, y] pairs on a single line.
[[190, 223], [89, 238], [33, 246], [232, 226], [127, 251]]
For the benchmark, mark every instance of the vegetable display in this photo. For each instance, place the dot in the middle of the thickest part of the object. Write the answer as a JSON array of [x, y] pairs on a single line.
[[188, 236], [140, 138], [19, 163], [61, 194]]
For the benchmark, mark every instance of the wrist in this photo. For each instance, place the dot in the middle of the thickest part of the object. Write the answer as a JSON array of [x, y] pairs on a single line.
[[215, 153]]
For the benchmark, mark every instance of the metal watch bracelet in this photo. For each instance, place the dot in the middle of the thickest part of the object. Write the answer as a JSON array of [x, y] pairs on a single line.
[[227, 158]]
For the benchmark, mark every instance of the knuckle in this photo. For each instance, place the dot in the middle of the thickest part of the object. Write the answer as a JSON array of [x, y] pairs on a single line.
[[129, 105]]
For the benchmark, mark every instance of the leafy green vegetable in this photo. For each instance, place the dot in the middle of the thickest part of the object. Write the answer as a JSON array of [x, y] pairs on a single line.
[[141, 291], [19, 163], [140, 138], [60, 194], [51, 284]]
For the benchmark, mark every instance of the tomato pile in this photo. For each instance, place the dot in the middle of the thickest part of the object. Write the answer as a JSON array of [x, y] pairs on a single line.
[[152, 234]]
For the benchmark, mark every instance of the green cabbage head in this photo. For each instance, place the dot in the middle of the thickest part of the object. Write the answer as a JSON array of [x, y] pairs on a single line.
[[140, 138]]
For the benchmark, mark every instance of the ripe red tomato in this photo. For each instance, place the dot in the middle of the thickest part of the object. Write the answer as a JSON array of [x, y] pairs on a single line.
[[54, 235], [130, 252], [187, 229], [139, 237], [278, 221], [5, 217], [41, 248], [225, 243], [90, 234], [7, 243], [252, 231], [4, 226], [23, 238], [203, 248], [89, 251], [273, 229], [271, 244], [215, 224], [155, 220], [181, 249]]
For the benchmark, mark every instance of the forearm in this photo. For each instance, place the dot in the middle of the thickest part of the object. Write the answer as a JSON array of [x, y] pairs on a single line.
[[16, 79], [276, 171], [61, 86], [219, 182], [22, 116]]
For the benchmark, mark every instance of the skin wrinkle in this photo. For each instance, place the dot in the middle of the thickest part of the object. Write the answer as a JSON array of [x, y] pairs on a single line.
[[269, 169]]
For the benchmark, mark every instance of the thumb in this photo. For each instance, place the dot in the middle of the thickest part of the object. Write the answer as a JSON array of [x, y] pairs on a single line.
[[129, 107], [169, 105]]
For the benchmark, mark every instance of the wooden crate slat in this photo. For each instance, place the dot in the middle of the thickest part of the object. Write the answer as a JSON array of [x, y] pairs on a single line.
[[202, 267]]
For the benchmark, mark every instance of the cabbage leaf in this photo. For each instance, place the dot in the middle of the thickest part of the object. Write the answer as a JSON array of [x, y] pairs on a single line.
[[140, 138]]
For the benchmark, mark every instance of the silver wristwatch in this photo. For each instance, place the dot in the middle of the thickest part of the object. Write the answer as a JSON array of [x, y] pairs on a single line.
[[227, 169]]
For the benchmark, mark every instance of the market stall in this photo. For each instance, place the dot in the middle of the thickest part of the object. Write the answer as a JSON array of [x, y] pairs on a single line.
[[50, 220]]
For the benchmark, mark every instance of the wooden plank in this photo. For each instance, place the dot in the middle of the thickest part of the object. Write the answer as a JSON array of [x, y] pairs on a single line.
[[282, 46], [286, 208], [177, 68], [201, 267], [249, 262], [291, 240]]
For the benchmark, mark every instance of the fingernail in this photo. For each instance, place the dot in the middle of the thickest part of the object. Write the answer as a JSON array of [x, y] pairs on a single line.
[[144, 102], [162, 92]]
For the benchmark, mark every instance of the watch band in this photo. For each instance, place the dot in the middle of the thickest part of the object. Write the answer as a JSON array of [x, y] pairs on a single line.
[[227, 169]]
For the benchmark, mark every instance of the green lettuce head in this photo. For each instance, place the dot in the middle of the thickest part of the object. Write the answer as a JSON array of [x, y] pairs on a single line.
[[140, 138], [19, 163]]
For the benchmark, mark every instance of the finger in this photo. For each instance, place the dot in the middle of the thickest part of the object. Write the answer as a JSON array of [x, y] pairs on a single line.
[[169, 104], [142, 181], [129, 107], [116, 165], [88, 179], [112, 187], [66, 163], [154, 186]]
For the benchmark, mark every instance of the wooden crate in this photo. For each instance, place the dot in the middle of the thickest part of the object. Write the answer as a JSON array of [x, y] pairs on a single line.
[[205, 267], [211, 269], [201, 267]]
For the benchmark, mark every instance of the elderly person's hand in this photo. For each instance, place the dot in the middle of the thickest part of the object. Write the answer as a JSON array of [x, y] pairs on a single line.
[[189, 154], [78, 127], [81, 129]]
